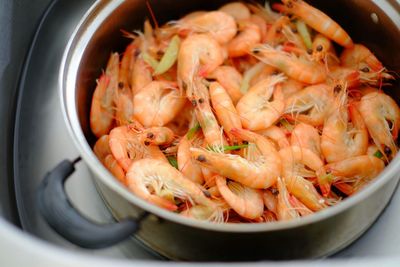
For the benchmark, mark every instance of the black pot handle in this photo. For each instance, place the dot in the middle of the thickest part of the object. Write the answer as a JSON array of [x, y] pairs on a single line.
[[59, 213]]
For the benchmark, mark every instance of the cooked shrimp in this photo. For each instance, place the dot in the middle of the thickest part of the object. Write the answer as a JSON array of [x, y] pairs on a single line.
[[126, 147], [102, 109], [295, 160], [247, 202], [206, 118], [323, 50], [237, 10], [259, 170], [141, 75], [186, 164], [296, 68], [319, 21], [224, 109], [220, 25], [263, 104], [154, 180], [270, 200], [230, 79], [284, 209], [291, 87], [311, 105], [112, 165], [277, 135], [354, 172], [157, 136], [199, 54], [306, 136], [157, 104], [124, 108], [248, 36], [344, 134], [101, 148], [382, 117]]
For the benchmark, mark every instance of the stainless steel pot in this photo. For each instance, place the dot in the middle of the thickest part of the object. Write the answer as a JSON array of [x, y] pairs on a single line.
[[374, 23]]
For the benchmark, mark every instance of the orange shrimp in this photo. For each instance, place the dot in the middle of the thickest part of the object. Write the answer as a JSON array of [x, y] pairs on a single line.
[[157, 136], [224, 109], [249, 36], [140, 76], [296, 68], [343, 138], [237, 10], [220, 25], [284, 209], [186, 164], [277, 135], [311, 105], [306, 136], [199, 55], [247, 202], [352, 173], [230, 79], [157, 104], [260, 170], [126, 147], [209, 125], [319, 21], [101, 148], [263, 104], [382, 117], [159, 183], [102, 108], [294, 161], [323, 50], [112, 165]]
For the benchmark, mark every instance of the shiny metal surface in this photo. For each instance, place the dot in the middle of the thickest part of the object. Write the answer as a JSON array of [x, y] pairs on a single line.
[[43, 141]]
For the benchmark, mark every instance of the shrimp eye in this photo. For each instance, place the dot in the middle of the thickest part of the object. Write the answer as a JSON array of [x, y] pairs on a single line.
[[206, 193], [274, 191], [289, 4], [137, 52], [337, 88], [319, 48], [201, 100], [120, 85], [184, 86], [255, 51], [201, 158], [146, 143], [245, 143], [194, 103], [387, 150], [365, 69], [150, 135], [309, 51]]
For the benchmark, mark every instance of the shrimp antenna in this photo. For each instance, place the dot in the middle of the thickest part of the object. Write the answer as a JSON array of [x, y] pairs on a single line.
[[153, 17]]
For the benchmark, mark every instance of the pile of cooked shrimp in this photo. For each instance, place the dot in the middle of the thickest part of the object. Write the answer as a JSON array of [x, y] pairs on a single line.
[[244, 114]]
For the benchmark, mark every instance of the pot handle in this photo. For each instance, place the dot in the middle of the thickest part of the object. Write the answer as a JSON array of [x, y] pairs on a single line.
[[59, 213]]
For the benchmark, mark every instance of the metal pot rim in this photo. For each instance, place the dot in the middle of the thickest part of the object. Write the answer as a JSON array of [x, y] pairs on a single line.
[[67, 85]]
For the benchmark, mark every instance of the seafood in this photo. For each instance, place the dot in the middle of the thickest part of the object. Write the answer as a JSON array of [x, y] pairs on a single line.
[[382, 117], [166, 182], [317, 20], [296, 68], [259, 170], [102, 108], [263, 104], [247, 202], [157, 104], [244, 115]]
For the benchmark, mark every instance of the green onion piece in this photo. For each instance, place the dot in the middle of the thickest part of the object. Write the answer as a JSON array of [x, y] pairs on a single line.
[[229, 148], [378, 154], [249, 75], [170, 56], [173, 161], [304, 33], [286, 124], [192, 131], [150, 60]]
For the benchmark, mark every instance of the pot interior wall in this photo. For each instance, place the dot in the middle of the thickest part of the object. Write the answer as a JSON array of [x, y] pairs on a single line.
[[356, 17]]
